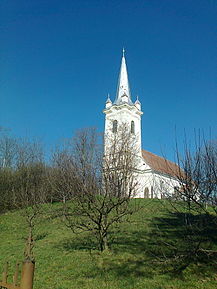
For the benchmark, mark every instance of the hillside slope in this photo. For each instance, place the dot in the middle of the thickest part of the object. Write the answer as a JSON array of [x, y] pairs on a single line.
[[68, 261]]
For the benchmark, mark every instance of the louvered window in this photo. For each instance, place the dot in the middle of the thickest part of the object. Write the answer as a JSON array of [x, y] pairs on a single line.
[[115, 126], [132, 129]]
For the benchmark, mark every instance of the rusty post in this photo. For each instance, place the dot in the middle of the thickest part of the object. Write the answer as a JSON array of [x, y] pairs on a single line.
[[16, 274], [27, 275], [5, 273]]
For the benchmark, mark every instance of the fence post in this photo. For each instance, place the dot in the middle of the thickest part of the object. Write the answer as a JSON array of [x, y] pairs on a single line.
[[5, 273], [27, 275], [15, 277]]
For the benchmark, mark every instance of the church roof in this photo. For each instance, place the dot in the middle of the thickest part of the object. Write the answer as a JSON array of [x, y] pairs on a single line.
[[161, 165]]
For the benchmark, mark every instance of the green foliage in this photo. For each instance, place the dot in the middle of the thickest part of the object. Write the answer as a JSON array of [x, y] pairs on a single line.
[[66, 261]]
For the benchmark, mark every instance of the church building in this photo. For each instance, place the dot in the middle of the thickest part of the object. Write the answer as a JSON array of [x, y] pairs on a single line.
[[157, 176]]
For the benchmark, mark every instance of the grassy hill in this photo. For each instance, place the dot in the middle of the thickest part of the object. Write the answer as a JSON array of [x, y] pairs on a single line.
[[65, 260]]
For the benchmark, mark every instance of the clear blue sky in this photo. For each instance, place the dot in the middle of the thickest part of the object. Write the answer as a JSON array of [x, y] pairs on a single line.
[[60, 59]]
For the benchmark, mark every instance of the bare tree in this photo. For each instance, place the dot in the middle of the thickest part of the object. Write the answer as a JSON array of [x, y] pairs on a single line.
[[23, 181], [192, 217], [198, 178], [61, 175], [6, 189], [8, 150], [100, 186], [29, 187], [120, 164]]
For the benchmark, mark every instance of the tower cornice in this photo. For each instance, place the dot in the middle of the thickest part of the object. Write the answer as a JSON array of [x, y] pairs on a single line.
[[123, 106]]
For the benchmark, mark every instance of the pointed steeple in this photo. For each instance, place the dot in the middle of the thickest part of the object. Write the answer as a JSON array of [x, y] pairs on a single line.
[[123, 89]]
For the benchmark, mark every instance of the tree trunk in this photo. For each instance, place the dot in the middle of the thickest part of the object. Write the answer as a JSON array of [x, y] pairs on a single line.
[[105, 242]]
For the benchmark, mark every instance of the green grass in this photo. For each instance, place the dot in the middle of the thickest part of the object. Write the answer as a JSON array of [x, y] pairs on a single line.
[[65, 260]]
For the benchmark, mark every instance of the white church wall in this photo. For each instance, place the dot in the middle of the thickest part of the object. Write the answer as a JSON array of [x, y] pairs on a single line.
[[163, 186], [145, 180], [156, 185]]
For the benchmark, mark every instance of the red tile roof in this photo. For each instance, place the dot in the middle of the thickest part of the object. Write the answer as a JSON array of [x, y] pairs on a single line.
[[160, 164]]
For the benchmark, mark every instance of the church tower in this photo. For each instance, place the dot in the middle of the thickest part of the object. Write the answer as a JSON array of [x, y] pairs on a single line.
[[123, 110], [156, 177]]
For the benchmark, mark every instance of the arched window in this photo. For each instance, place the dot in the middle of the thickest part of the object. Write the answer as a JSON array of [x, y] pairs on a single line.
[[152, 192], [146, 193], [132, 129], [115, 126]]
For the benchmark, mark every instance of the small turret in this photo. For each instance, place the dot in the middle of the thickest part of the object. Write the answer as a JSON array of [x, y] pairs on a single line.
[[108, 102], [138, 103]]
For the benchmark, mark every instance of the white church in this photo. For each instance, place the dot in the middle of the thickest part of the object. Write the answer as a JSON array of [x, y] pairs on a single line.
[[157, 176]]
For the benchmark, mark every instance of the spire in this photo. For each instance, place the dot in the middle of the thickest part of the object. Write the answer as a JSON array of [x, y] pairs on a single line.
[[123, 89]]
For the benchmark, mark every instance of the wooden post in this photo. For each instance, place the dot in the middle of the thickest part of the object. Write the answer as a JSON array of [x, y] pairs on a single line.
[[27, 275], [5, 274], [16, 274]]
